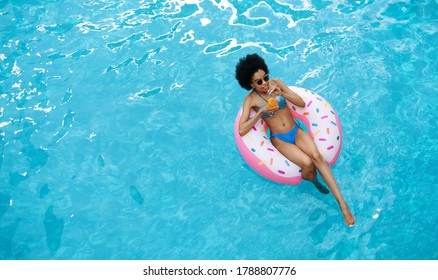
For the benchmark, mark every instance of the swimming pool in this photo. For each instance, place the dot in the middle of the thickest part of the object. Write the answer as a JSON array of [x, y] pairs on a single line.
[[117, 117]]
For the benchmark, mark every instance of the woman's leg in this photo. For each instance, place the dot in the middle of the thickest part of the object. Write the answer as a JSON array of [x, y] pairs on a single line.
[[294, 154], [306, 144]]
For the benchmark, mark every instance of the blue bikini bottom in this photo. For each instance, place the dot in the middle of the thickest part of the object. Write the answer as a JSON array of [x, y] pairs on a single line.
[[288, 137]]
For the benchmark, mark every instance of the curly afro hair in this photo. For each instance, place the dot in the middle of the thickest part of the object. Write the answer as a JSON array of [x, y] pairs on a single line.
[[246, 68]]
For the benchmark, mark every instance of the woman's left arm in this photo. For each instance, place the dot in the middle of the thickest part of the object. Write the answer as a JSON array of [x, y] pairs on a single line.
[[288, 93]]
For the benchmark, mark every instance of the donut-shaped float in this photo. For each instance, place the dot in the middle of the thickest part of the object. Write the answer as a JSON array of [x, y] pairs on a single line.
[[322, 124]]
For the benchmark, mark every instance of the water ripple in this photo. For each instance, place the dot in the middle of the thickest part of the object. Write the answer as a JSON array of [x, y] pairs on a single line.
[[75, 54], [241, 14], [136, 37], [231, 45], [138, 62], [169, 35], [67, 123], [147, 93], [352, 6], [160, 10]]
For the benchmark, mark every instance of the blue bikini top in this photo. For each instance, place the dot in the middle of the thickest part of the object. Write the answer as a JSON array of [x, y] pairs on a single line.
[[281, 104]]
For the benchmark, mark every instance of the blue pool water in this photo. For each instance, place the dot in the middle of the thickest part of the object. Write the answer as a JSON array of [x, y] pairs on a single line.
[[116, 125]]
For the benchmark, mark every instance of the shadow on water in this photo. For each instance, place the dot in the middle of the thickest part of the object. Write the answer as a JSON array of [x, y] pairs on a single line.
[[54, 228]]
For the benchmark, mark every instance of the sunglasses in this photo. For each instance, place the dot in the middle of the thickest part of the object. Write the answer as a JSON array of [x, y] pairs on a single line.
[[260, 82]]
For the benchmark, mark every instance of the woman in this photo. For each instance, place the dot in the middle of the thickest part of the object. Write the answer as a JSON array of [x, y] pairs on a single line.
[[295, 144]]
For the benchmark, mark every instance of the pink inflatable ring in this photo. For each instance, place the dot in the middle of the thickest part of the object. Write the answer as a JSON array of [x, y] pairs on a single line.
[[322, 124]]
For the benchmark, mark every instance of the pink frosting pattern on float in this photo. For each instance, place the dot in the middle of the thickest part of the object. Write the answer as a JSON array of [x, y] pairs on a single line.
[[321, 122]]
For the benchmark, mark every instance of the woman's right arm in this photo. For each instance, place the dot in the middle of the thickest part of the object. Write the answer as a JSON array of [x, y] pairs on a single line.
[[245, 123]]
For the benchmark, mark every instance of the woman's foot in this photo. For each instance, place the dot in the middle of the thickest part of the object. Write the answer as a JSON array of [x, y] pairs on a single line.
[[320, 187], [348, 217]]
